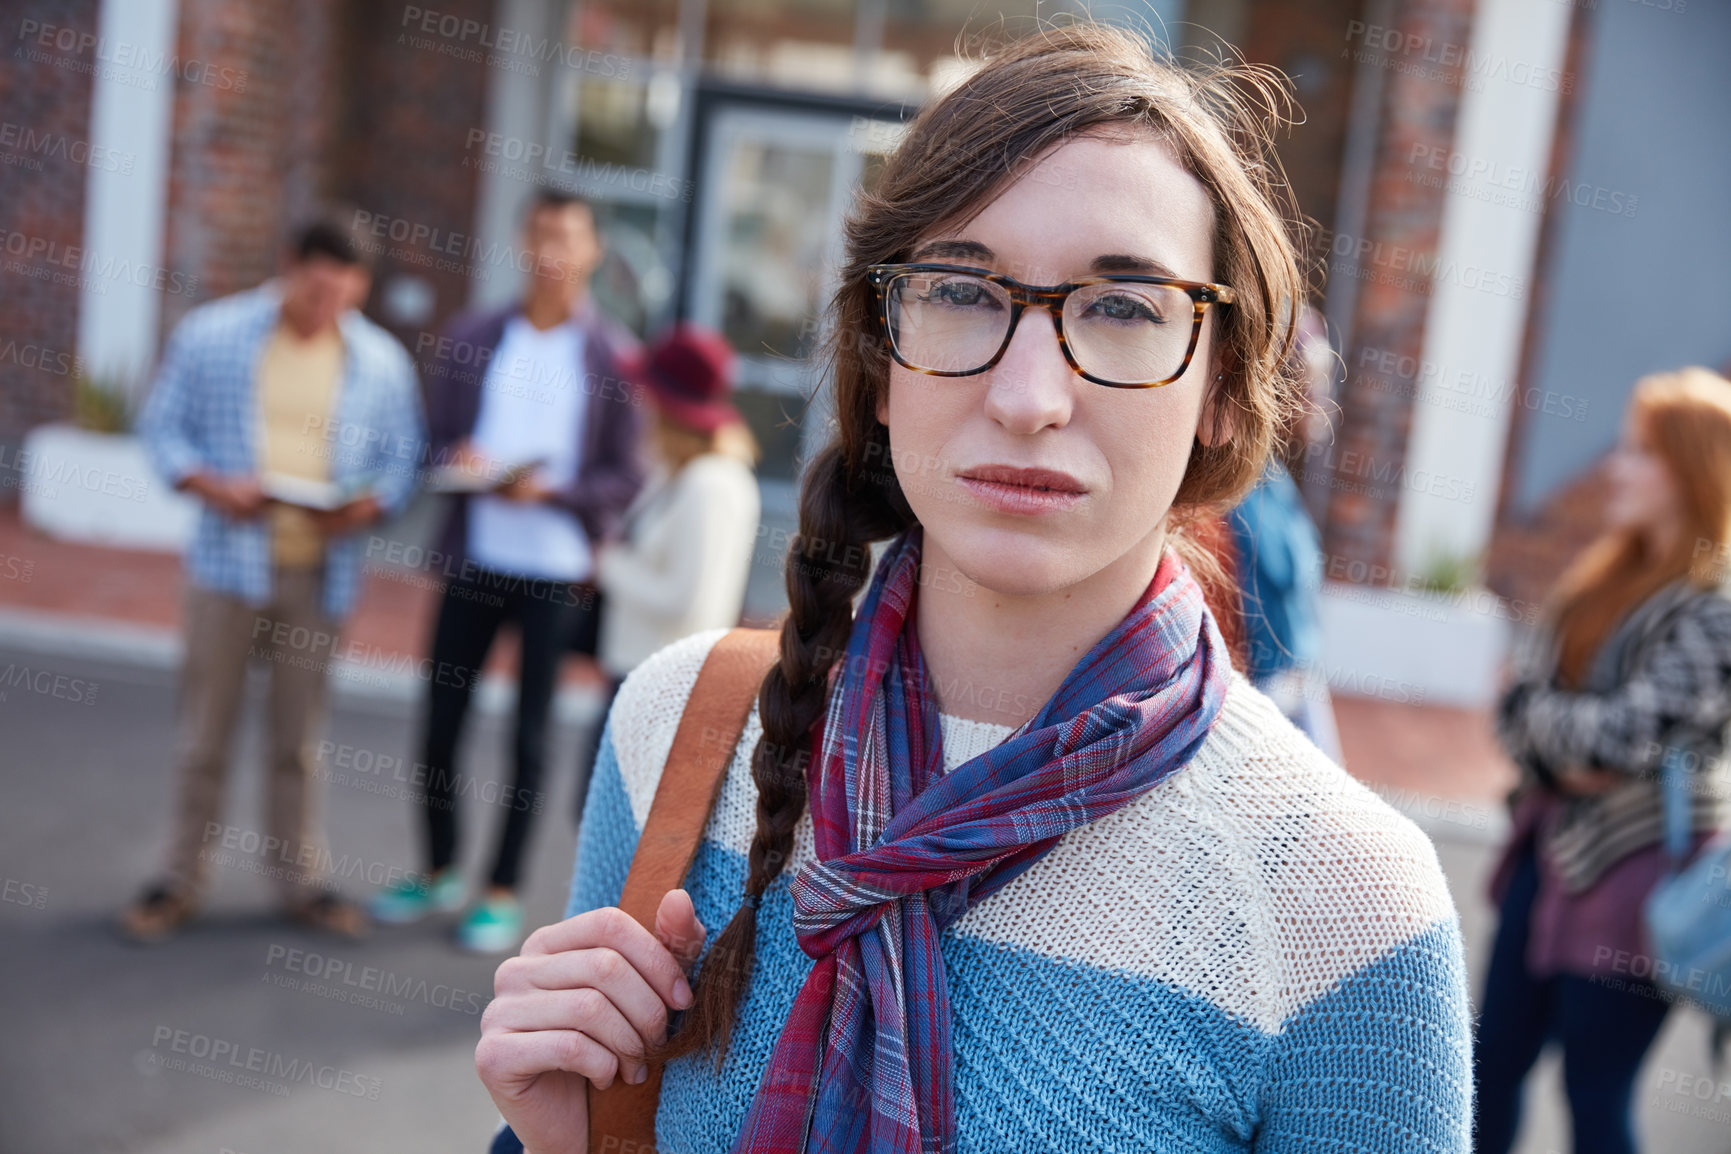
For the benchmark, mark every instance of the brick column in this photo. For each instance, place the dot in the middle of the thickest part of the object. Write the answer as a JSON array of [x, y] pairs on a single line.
[[251, 129], [1422, 53], [44, 152]]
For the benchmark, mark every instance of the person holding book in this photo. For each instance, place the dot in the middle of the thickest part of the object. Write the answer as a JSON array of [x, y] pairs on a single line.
[[535, 430], [297, 423]]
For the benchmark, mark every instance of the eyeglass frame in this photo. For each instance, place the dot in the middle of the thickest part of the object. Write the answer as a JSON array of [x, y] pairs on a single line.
[[1052, 298]]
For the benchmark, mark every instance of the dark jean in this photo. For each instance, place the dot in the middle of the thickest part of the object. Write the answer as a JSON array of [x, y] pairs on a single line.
[[546, 614], [1604, 1032]]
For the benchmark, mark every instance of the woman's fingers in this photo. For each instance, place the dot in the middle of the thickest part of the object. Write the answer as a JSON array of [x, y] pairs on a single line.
[[510, 1062], [600, 968], [677, 928], [587, 1011], [612, 928]]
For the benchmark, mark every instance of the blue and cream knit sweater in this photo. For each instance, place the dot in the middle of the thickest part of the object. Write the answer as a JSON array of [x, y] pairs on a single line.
[[1257, 955]]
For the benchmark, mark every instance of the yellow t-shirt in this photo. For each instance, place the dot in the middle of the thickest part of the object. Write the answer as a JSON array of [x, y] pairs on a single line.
[[296, 380]]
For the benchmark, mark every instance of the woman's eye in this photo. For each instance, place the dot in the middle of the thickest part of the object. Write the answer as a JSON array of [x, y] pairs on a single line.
[[961, 294], [1127, 307]]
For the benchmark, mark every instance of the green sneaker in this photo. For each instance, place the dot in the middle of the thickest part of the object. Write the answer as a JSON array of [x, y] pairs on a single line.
[[412, 899], [495, 926]]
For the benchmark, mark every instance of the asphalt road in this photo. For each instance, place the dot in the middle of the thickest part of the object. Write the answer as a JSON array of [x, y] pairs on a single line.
[[247, 1035]]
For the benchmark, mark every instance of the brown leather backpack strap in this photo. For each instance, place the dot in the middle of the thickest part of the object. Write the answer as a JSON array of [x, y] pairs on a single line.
[[622, 1117]]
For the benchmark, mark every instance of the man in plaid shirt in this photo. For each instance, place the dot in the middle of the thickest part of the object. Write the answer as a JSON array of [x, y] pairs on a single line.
[[297, 422]]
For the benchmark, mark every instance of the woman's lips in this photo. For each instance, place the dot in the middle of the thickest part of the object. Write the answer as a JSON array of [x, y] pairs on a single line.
[[1023, 491]]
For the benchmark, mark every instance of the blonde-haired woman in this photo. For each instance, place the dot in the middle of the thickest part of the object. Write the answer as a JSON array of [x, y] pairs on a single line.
[[1008, 857], [684, 559], [1634, 656]]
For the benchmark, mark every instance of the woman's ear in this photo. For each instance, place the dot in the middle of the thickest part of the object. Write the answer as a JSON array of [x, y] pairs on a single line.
[[1217, 425]]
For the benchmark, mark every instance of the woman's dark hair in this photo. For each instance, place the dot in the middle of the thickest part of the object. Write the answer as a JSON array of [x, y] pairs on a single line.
[[1027, 98]]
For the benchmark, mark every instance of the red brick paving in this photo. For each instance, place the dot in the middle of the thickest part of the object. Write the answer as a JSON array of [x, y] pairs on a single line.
[[141, 587]]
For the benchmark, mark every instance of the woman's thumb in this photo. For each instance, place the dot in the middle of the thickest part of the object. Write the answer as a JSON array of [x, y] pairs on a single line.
[[677, 927]]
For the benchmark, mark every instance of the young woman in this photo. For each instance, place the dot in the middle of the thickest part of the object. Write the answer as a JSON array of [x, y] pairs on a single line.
[[1010, 858], [685, 556], [1635, 656]]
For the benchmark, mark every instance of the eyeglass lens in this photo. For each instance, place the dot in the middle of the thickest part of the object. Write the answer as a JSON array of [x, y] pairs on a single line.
[[1121, 332]]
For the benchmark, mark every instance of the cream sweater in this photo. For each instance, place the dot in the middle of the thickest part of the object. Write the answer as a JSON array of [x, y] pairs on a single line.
[[1259, 954], [684, 561]]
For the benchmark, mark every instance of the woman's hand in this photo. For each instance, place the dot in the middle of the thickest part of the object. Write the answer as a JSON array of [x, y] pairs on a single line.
[[580, 1004], [1588, 782]]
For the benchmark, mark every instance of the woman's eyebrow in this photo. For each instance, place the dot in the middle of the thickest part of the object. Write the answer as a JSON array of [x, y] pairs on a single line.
[[961, 249], [1123, 262], [977, 253]]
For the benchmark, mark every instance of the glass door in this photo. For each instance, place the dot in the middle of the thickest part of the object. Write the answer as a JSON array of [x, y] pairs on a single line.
[[776, 184]]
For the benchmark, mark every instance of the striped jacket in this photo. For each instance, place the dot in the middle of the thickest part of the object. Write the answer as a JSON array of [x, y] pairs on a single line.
[[202, 415], [1662, 677]]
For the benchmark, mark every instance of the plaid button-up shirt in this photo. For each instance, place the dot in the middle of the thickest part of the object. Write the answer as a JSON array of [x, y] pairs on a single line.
[[202, 415]]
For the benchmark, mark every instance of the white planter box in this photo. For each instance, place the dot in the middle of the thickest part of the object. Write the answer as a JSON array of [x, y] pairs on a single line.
[[1414, 648], [99, 489]]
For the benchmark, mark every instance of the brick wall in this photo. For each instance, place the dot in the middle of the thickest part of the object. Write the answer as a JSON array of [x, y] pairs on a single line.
[[44, 155], [1420, 100], [1305, 41], [415, 98], [249, 149]]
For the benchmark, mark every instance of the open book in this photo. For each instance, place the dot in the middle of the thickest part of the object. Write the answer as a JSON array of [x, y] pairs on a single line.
[[309, 494], [454, 479]]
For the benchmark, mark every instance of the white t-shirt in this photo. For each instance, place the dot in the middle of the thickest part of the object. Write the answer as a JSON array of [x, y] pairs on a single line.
[[532, 409]]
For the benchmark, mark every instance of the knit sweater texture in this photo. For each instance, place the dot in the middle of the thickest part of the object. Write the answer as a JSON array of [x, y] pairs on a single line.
[[1257, 955]]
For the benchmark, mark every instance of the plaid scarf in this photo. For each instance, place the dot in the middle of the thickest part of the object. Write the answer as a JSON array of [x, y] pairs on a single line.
[[864, 1062]]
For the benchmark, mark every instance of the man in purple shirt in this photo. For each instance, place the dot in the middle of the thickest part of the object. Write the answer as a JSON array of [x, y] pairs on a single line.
[[539, 438]]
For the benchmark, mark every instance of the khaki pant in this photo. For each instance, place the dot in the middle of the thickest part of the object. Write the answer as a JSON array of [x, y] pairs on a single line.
[[294, 637]]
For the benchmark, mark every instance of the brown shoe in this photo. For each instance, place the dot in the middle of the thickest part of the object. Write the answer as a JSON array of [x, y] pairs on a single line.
[[156, 915], [331, 913]]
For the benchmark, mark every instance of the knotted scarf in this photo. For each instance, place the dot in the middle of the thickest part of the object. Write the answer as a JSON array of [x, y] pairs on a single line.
[[864, 1062]]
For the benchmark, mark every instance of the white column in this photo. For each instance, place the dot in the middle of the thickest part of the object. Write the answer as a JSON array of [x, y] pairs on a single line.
[[518, 108], [1483, 280], [125, 213]]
